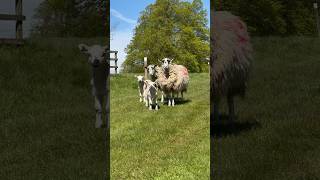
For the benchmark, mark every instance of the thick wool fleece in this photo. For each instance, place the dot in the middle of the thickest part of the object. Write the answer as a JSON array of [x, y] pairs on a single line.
[[231, 55]]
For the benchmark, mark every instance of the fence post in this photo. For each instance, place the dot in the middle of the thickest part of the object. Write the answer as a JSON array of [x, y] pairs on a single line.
[[145, 64], [115, 61], [19, 34]]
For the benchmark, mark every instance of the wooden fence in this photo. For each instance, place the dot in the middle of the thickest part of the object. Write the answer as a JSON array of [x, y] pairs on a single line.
[[115, 59], [19, 18]]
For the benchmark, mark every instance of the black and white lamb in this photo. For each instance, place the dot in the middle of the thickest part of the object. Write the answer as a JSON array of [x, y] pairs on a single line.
[[150, 94], [140, 80]]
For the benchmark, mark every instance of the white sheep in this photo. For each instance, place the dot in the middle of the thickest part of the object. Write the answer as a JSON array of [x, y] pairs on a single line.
[[150, 94], [100, 68], [140, 80], [230, 60]]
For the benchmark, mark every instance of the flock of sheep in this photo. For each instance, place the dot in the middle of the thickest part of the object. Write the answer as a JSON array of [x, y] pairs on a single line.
[[230, 65], [171, 79]]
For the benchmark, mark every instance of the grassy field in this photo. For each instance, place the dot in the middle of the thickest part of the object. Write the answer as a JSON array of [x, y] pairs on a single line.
[[46, 113], [172, 143], [47, 119], [278, 131]]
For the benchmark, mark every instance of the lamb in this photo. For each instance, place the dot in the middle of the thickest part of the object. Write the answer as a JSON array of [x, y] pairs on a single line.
[[99, 80], [153, 73], [230, 60], [150, 94], [140, 86], [175, 79]]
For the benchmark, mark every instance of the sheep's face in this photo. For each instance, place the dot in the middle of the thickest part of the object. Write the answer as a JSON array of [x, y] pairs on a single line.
[[165, 63], [139, 78], [151, 70], [151, 87], [97, 53]]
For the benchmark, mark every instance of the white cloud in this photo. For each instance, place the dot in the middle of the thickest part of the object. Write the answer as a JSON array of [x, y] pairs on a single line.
[[117, 14], [120, 40]]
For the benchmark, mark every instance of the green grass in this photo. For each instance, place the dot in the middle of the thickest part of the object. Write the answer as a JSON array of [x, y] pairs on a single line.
[[47, 119], [172, 143], [46, 113], [280, 136]]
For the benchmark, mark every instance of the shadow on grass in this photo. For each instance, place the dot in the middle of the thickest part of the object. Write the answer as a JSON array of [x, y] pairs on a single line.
[[225, 128], [178, 101]]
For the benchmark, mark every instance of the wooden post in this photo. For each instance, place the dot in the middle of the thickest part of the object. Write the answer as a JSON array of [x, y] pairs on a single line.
[[115, 61], [315, 6], [19, 34], [145, 64]]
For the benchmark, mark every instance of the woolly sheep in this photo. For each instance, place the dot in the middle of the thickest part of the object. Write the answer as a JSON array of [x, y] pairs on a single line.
[[140, 80], [99, 78], [230, 60], [175, 79], [150, 94]]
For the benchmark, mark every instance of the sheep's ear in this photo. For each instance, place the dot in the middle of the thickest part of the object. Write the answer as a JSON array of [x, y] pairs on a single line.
[[83, 48], [135, 76], [160, 60], [171, 60]]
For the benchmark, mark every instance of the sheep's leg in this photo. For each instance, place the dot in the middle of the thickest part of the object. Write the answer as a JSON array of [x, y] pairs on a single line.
[[169, 99], [150, 103], [98, 106], [156, 108], [172, 102], [147, 102], [162, 96], [182, 94], [108, 111], [140, 95], [231, 108]]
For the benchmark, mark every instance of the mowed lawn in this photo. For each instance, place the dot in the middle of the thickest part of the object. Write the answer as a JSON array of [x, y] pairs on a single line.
[[278, 131], [171, 143], [47, 113]]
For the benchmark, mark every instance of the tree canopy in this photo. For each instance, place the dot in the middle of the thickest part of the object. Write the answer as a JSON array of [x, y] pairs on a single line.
[[170, 28], [273, 17], [79, 18]]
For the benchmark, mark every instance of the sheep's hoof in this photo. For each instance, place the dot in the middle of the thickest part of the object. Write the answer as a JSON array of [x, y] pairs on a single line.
[[156, 108], [172, 103], [140, 100], [169, 103], [150, 107]]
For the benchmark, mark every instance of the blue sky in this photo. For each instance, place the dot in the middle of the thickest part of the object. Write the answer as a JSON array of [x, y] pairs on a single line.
[[123, 18]]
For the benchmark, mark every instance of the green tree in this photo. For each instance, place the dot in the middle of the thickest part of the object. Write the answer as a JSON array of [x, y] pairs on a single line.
[[70, 18], [170, 28], [273, 17]]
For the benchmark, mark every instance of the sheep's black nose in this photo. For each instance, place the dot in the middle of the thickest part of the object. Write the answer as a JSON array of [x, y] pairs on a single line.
[[95, 63]]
